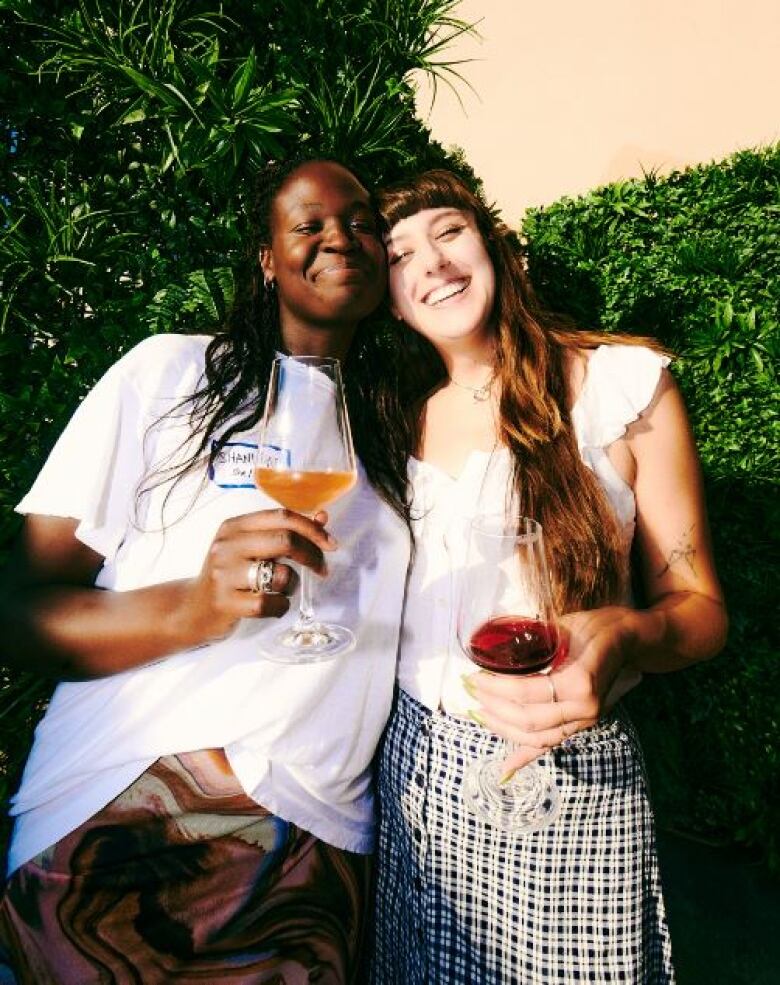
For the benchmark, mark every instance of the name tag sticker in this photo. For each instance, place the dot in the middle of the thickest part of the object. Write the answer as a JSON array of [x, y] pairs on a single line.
[[233, 466]]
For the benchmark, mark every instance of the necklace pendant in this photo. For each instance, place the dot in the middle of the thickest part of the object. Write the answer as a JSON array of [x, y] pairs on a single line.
[[478, 393]]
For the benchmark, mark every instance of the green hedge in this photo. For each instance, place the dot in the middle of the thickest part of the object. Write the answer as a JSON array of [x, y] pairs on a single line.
[[130, 128], [694, 259]]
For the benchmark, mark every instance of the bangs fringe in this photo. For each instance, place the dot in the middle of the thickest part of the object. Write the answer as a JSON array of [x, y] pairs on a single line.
[[435, 189]]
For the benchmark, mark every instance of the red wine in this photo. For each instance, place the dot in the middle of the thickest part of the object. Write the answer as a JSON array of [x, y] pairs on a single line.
[[513, 645]]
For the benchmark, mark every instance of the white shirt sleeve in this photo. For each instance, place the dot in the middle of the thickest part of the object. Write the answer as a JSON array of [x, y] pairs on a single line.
[[620, 383], [93, 471]]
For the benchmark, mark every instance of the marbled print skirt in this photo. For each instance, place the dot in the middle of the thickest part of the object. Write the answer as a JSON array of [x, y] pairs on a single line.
[[183, 878]]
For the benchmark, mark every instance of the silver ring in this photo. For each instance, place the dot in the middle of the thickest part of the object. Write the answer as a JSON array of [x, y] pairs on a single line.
[[554, 700], [259, 576], [265, 575]]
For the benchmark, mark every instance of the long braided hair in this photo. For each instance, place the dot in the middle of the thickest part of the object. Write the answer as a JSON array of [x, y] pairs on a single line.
[[551, 482]]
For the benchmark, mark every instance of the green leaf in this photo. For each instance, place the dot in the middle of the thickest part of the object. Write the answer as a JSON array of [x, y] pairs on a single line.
[[243, 77], [133, 116]]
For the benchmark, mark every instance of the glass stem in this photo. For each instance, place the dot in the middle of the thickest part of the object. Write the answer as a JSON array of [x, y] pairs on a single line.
[[305, 607]]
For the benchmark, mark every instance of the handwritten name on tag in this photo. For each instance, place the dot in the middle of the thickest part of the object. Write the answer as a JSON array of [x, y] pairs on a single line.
[[234, 465], [273, 457]]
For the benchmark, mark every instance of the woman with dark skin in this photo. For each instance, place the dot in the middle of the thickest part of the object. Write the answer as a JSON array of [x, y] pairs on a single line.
[[189, 811]]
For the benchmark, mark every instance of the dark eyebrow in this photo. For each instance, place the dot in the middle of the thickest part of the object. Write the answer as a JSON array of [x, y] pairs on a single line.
[[352, 207]]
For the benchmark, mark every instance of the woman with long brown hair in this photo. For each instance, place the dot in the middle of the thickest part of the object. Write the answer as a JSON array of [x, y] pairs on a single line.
[[587, 434]]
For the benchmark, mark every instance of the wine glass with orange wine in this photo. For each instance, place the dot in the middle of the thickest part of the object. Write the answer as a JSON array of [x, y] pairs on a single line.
[[507, 625], [305, 460]]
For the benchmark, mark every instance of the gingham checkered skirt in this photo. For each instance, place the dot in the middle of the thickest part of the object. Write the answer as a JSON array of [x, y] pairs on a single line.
[[462, 903]]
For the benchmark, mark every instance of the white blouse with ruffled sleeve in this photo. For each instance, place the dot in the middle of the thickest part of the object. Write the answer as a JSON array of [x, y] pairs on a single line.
[[619, 385]]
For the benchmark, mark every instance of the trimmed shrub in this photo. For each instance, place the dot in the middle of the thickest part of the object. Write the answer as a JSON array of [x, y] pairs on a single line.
[[694, 259]]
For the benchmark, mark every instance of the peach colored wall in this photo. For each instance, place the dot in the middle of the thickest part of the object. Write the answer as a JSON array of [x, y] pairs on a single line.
[[576, 93]]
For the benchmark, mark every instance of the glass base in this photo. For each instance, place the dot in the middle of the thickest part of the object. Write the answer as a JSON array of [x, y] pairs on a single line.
[[308, 644], [527, 802]]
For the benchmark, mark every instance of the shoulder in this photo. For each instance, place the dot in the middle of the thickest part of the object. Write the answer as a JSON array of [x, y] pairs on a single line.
[[617, 385], [164, 350], [162, 365], [630, 371]]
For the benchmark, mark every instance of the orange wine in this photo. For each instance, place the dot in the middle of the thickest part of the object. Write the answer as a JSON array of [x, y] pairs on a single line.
[[305, 492]]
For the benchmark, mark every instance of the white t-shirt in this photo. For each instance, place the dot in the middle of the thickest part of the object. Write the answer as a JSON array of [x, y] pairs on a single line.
[[299, 738], [619, 384]]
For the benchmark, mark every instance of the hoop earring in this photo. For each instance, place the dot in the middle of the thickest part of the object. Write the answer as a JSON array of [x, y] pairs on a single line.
[[269, 283]]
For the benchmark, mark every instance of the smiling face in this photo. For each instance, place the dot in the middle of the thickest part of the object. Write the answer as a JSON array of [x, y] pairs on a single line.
[[442, 282], [325, 256]]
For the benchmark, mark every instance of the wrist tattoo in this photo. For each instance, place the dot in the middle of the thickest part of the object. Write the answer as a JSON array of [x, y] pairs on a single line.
[[684, 551]]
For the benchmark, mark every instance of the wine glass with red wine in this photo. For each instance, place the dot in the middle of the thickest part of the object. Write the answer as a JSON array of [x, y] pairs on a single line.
[[507, 624]]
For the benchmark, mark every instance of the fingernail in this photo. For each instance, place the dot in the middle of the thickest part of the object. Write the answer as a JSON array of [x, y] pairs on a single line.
[[474, 716], [468, 685], [506, 778]]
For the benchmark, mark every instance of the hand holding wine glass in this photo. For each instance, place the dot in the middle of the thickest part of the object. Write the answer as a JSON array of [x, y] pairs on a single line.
[[305, 460], [507, 625], [589, 677]]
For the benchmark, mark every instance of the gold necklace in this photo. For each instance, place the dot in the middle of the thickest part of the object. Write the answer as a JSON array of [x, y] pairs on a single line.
[[479, 393]]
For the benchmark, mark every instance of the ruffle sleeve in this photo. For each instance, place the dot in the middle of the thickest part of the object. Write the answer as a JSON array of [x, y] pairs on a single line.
[[620, 383]]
